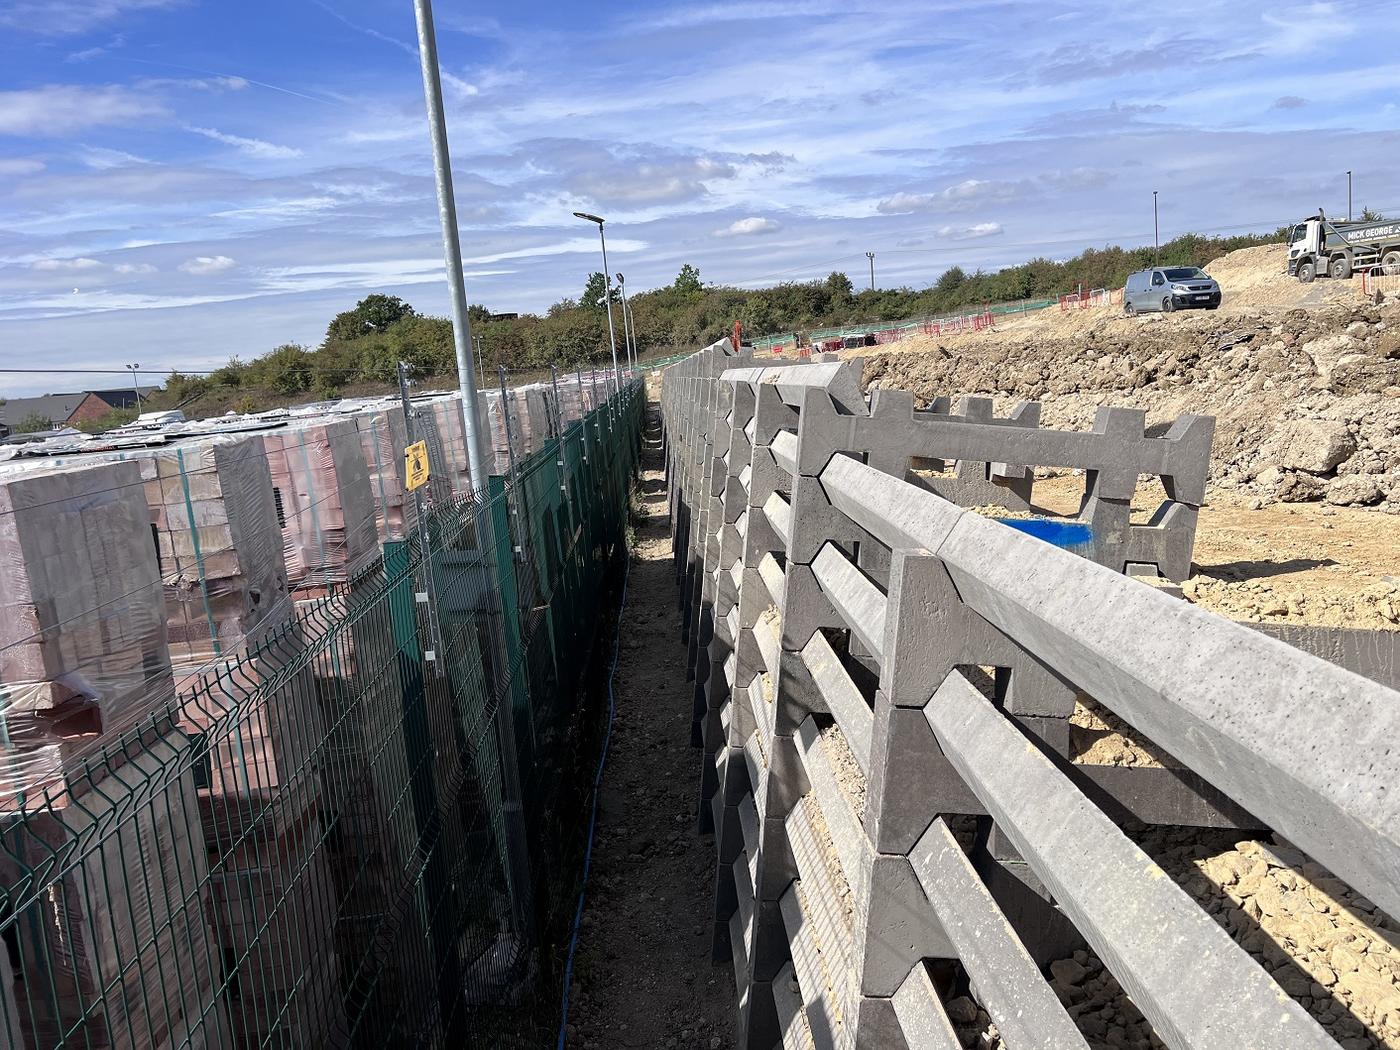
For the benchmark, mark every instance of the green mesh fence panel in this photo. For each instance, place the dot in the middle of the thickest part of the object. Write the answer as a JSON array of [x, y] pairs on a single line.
[[310, 846]]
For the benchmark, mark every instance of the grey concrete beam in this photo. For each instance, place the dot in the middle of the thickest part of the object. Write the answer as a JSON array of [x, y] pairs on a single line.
[[1306, 746], [921, 1015], [859, 601], [1008, 982], [1199, 989], [843, 699]]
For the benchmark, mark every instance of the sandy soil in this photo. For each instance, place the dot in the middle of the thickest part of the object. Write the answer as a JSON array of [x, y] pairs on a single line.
[[1303, 563], [643, 976]]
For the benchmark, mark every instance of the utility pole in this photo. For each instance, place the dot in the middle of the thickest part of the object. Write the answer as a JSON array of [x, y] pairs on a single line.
[[1156, 235], [135, 386], [871, 257]]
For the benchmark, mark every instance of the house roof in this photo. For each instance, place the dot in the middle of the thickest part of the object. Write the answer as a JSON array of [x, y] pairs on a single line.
[[59, 407]]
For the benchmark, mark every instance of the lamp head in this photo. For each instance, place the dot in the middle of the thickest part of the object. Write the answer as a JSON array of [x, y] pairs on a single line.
[[591, 218]]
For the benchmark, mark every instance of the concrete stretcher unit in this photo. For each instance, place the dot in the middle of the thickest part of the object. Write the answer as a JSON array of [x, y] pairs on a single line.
[[888, 682]]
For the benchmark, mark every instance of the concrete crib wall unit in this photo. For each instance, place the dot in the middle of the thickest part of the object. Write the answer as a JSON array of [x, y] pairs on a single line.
[[884, 689]]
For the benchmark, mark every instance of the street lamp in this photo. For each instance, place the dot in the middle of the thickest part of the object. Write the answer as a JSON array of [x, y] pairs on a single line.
[[135, 386], [1156, 236], [1348, 196], [871, 257], [629, 324], [607, 279]]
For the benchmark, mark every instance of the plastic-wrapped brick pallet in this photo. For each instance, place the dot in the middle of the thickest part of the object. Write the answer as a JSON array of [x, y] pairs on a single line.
[[383, 438], [118, 919], [322, 494], [82, 626]]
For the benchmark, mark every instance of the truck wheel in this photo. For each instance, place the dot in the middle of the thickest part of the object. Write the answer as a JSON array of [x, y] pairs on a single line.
[[1307, 271], [1390, 262], [1167, 306], [1340, 268]]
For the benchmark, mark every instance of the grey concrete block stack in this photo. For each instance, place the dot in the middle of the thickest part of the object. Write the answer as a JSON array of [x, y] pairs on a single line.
[[884, 683]]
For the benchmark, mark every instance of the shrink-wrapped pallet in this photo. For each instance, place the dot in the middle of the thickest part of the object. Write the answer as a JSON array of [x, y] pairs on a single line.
[[383, 439], [82, 627], [322, 496], [274, 905], [110, 942]]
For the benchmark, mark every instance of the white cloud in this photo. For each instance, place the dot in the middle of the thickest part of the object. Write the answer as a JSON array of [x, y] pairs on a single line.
[[748, 227], [100, 158], [252, 147], [969, 233], [204, 265], [70, 265], [66, 17], [134, 268], [58, 109], [20, 165], [959, 195]]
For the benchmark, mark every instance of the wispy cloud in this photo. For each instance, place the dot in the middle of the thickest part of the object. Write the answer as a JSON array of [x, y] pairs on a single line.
[[206, 265], [970, 233], [65, 265], [61, 109], [134, 268], [20, 165], [749, 227], [252, 147], [70, 17]]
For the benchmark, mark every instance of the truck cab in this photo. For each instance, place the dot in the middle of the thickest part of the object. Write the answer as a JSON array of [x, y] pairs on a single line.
[[1318, 247]]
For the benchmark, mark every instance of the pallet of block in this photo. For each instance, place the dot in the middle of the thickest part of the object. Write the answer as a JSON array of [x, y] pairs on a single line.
[[109, 946], [322, 498], [82, 628]]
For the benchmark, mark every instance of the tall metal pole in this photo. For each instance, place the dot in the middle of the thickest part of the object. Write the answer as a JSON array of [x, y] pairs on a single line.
[[480, 341], [612, 336], [629, 331], [477, 453], [420, 515], [135, 386], [478, 450], [871, 257], [1156, 237], [1348, 196]]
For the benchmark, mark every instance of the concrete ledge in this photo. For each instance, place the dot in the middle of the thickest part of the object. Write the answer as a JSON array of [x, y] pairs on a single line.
[[792, 1017], [807, 964]]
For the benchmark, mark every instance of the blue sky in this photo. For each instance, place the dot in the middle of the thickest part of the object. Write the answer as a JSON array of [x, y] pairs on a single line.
[[183, 180]]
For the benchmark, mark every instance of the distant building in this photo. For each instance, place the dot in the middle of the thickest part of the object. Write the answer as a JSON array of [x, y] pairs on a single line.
[[502, 317], [62, 410]]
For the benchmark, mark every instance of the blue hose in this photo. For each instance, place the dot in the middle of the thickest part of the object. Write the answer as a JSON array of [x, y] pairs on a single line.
[[593, 817]]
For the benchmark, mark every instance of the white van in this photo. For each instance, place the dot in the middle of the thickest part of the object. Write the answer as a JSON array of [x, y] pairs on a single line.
[[1169, 288]]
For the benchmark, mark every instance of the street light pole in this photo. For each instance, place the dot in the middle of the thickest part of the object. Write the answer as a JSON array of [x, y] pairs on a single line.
[[629, 327], [1156, 235], [607, 281], [478, 456], [135, 386], [1348, 196], [871, 257]]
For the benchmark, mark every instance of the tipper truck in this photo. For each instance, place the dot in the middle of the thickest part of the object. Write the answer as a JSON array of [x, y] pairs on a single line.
[[1320, 246]]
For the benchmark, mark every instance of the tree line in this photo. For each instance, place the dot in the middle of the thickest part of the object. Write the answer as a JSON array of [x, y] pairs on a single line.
[[363, 345]]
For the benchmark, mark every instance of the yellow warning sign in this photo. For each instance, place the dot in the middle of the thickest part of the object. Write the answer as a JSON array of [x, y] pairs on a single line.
[[416, 465]]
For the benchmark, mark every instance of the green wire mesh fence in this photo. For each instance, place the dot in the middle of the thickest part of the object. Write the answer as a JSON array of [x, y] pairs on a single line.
[[354, 833]]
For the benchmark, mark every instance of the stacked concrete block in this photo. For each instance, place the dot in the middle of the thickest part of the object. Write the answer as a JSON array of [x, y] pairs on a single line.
[[451, 428], [323, 501], [383, 439], [111, 948], [273, 904], [372, 839], [82, 627]]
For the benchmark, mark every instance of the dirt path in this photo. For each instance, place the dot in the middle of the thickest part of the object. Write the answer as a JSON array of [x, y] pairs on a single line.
[[642, 976]]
